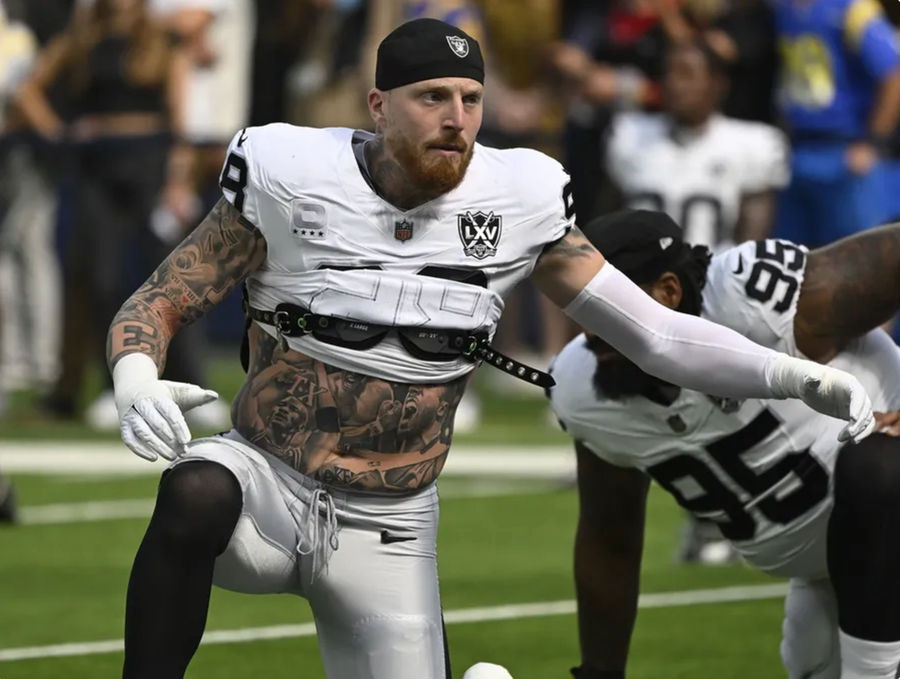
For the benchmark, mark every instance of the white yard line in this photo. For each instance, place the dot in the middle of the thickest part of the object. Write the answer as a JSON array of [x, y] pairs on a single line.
[[111, 510], [491, 613], [112, 458], [83, 512]]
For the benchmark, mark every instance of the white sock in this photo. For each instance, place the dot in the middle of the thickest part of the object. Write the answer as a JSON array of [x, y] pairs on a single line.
[[861, 659]]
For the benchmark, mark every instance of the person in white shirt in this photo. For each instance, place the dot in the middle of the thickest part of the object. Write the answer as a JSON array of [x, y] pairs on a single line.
[[375, 269], [716, 176]]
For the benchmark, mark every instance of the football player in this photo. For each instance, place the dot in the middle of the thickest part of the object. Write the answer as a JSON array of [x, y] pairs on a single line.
[[715, 176], [386, 256], [789, 497]]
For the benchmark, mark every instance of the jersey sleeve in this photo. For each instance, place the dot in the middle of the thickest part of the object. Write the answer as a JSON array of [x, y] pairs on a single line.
[[543, 195], [241, 179], [753, 289], [562, 214], [868, 33], [766, 166]]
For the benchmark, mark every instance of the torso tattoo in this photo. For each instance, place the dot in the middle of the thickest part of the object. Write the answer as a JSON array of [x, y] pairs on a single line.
[[343, 428]]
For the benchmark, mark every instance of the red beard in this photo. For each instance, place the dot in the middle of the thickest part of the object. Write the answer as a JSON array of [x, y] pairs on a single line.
[[431, 172]]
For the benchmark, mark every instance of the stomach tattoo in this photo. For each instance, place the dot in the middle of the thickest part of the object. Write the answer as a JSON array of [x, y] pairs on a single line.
[[341, 427]]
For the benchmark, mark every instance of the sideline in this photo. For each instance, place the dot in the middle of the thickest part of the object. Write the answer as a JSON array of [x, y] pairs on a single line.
[[114, 459]]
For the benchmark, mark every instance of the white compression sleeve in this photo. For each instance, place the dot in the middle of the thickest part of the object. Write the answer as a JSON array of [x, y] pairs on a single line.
[[679, 348]]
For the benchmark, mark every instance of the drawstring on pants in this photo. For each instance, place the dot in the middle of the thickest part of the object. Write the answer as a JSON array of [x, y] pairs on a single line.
[[319, 527]]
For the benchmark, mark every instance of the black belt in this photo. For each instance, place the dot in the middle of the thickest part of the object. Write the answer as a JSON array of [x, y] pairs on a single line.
[[427, 344]]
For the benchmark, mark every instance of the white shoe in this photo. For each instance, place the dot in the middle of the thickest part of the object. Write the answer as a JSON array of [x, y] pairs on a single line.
[[468, 414], [486, 670], [102, 415], [215, 415]]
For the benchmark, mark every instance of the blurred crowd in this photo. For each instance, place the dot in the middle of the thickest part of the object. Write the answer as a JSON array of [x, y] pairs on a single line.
[[740, 118]]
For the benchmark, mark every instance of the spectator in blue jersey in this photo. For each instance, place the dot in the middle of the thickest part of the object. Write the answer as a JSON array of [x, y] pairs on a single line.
[[840, 99]]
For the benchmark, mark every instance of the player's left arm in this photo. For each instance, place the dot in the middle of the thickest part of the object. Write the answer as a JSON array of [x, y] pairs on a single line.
[[567, 266], [849, 288], [688, 350]]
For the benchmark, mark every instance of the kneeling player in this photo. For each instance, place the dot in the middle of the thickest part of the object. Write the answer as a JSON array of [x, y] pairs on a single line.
[[791, 499]]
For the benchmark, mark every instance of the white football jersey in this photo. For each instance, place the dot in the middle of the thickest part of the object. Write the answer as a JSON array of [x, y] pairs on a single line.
[[760, 468], [336, 247], [697, 178], [217, 95]]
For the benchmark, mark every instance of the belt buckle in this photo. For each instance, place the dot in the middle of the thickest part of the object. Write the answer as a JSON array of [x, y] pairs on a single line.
[[282, 322], [471, 345]]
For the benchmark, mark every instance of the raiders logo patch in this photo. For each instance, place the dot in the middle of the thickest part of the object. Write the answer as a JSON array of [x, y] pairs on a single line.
[[460, 46], [479, 233]]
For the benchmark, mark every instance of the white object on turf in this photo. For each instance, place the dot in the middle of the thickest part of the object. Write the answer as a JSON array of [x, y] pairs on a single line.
[[468, 413], [151, 410], [486, 670], [215, 415], [101, 414]]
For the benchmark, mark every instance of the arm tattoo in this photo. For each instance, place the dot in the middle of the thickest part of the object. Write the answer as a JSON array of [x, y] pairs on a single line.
[[849, 288], [196, 276], [573, 244], [342, 427]]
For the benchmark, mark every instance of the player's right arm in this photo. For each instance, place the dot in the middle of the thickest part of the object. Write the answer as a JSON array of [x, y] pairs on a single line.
[[196, 276], [608, 547], [204, 269]]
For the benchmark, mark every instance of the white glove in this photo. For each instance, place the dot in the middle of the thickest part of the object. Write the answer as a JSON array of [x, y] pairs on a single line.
[[486, 670], [150, 409], [827, 390]]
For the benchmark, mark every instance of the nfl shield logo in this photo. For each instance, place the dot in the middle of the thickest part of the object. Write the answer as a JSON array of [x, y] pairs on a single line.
[[460, 46], [479, 233], [403, 230]]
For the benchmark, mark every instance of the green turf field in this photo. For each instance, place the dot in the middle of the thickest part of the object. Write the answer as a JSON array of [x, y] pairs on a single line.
[[503, 543]]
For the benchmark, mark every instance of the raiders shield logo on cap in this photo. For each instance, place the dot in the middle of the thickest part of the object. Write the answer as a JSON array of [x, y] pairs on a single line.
[[479, 233], [403, 230], [460, 46]]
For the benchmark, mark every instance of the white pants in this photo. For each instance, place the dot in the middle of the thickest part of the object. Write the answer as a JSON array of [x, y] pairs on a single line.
[[367, 563], [810, 648]]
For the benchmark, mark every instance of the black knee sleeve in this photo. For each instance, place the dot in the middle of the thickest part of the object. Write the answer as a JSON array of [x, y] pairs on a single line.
[[864, 538], [197, 506]]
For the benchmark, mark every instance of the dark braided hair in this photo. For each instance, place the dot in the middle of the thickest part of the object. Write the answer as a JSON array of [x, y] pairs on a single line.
[[691, 268]]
